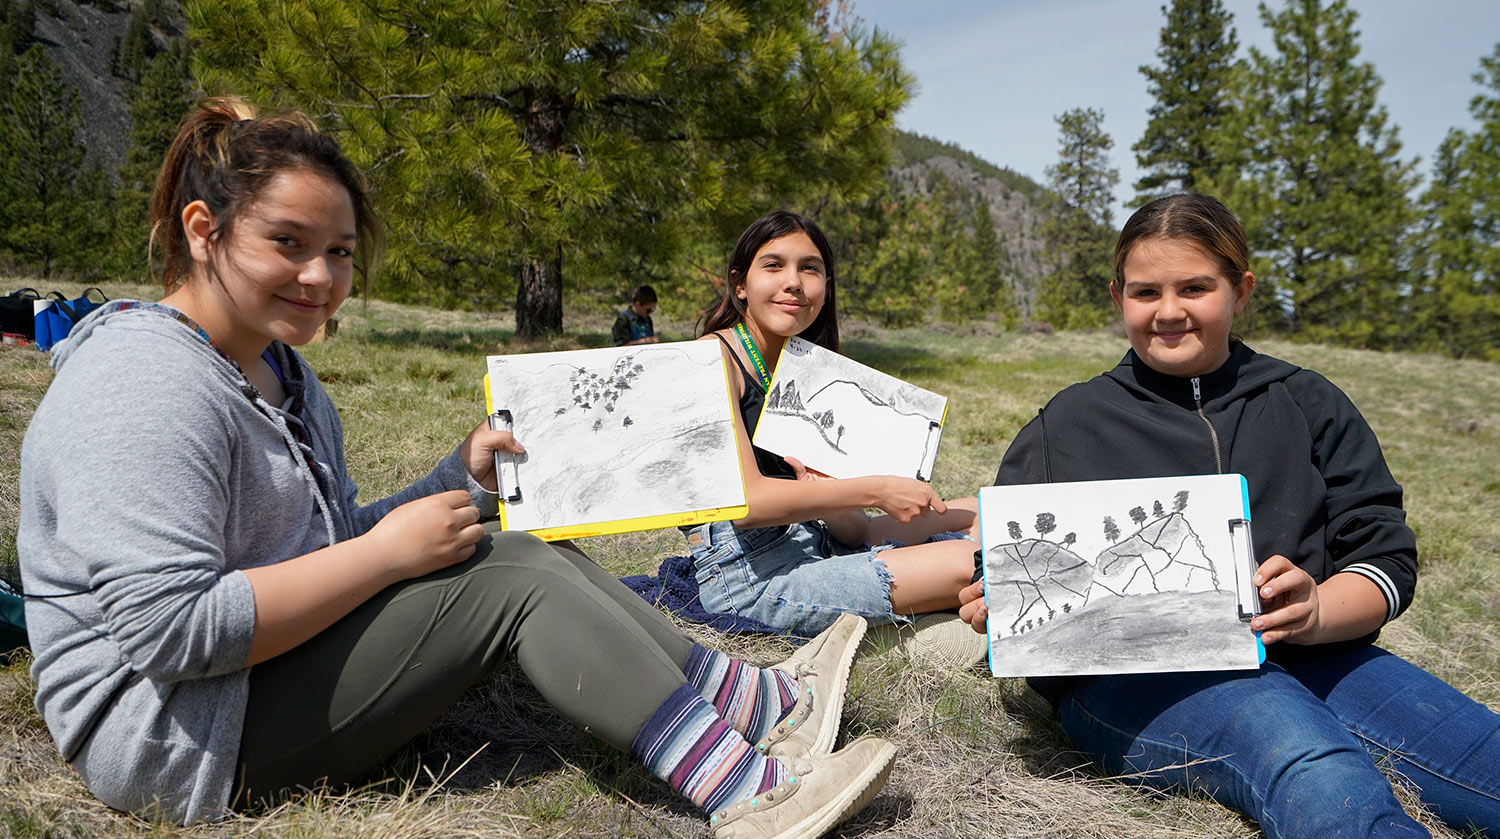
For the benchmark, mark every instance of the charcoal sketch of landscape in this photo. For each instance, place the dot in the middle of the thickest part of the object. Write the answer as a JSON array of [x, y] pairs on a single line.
[[1128, 576], [846, 419], [618, 433]]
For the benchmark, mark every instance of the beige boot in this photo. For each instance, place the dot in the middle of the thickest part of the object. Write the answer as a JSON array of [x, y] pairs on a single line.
[[823, 792], [822, 669]]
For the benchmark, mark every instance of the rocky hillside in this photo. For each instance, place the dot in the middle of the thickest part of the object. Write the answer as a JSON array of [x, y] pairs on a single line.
[[84, 40], [1015, 200]]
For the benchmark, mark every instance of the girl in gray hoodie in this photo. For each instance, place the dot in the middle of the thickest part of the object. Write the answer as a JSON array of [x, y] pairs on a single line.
[[216, 618]]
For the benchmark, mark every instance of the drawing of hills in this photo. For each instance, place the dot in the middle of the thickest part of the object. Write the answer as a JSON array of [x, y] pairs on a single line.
[[1146, 633], [1164, 555], [784, 399], [1035, 580]]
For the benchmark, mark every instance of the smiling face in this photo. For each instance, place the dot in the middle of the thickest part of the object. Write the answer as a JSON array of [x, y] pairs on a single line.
[[283, 268], [783, 288], [1178, 307]]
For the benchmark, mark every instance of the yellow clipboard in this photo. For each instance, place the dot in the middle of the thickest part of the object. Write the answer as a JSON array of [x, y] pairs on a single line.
[[630, 525]]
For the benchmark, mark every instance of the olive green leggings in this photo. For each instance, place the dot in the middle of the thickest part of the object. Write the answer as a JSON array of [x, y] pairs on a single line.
[[334, 707]]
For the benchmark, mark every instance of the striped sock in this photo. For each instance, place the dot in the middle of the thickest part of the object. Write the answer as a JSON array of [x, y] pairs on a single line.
[[686, 744], [751, 699]]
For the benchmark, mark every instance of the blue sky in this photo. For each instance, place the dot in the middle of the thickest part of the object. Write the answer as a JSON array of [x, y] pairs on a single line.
[[992, 75]]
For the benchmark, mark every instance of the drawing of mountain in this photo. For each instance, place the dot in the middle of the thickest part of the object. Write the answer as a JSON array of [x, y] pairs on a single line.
[[1034, 581], [1164, 555]]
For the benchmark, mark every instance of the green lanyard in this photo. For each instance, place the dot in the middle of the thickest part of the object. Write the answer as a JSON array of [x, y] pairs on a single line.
[[755, 358]]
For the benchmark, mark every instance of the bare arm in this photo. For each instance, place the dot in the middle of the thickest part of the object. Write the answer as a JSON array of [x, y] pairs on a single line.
[[775, 501]]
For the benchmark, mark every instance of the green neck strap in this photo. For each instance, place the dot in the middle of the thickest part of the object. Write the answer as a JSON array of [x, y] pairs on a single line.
[[755, 357]]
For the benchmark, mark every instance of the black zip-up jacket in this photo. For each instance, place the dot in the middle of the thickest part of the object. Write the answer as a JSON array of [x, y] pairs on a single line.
[[1320, 491]]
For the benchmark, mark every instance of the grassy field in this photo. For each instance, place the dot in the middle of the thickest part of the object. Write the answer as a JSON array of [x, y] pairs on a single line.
[[980, 757]]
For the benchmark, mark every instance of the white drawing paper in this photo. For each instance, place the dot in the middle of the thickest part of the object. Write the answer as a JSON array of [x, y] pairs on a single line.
[[616, 434], [846, 419], [1130, 576]]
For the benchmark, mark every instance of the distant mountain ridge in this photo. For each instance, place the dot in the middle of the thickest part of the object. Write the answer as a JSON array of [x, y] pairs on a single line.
[[1016, 201]]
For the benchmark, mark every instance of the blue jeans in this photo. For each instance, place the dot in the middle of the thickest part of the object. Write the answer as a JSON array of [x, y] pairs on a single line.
[[797, 578], [1295, 745]]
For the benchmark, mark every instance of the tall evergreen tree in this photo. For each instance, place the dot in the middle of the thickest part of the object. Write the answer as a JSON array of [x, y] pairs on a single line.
[[42, 207], [135, 48], [1455, 304], [507, 138], [1186, 144], [1079, 225], [1325, 198], [157, 106]]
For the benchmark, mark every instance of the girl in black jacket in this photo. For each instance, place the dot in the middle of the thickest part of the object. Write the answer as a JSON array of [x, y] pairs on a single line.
[[1294, 744]]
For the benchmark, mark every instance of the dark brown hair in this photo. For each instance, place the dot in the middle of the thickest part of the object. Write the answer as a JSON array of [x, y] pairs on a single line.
[[225, 155], [1191, 217], [730, 309]]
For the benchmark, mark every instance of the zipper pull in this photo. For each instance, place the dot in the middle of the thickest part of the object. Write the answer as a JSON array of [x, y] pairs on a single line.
[[1197, 391]]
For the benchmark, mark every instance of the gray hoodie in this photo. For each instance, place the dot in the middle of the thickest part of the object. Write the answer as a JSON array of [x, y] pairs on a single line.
[[151, 477]]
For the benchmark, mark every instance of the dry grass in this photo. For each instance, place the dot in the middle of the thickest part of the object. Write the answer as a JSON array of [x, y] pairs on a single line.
[[979, 757]]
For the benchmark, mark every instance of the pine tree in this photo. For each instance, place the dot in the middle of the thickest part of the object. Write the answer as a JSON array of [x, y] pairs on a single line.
[[1455, 305], [992, 288], [157, 106], [1078, 228], [518, 139], [891, 285], [1325, 195], [134, 48], [1186, 145], [42, 208]]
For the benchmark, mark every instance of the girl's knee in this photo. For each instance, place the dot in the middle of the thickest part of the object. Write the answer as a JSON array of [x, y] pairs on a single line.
[[516, 548]]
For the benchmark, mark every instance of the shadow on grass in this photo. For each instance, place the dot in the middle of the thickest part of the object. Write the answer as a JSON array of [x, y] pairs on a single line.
[[1042, 746], [903, 362], [488, 339]]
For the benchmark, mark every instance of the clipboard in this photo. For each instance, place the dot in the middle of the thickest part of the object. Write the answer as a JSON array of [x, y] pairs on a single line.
[[846, 419], [617, 439], [1126, 576]]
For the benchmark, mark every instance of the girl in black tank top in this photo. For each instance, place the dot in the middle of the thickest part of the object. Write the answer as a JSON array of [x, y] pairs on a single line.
[[780, 283]]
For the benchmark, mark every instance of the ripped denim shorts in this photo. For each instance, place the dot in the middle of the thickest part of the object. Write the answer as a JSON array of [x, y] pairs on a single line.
[[796, 578]]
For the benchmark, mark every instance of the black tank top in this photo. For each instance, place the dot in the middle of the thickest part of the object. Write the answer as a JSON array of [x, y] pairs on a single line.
[[752, 399]]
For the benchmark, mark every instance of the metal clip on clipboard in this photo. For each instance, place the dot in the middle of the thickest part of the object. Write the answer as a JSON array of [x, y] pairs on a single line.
[[1245, 564], [929, 454], [501, 420]]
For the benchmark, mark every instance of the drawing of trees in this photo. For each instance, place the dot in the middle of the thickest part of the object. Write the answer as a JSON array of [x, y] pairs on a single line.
[[1156, 510], [1138, 515], [1111, 530], [1069, 539], [1179, 502], [1015, 530], [1045, 523]]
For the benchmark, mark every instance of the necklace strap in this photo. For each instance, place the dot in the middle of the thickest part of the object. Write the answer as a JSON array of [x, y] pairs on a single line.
[[755, 357]]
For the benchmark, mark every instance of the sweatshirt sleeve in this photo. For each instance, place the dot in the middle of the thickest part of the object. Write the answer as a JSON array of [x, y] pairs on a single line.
[[449, 473], [132, 460], [1367, 532]]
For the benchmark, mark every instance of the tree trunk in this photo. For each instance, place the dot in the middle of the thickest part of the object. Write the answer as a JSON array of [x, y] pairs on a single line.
[[539, 297]]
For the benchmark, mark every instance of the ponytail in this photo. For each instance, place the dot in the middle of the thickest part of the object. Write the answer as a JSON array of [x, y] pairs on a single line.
[[225, 155]]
